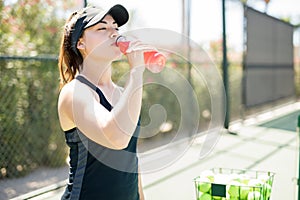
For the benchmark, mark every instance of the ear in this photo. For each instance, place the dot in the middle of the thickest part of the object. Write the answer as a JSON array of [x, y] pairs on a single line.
[[80, 44]]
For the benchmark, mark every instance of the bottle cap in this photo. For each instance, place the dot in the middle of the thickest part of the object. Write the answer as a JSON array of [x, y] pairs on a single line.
[[122, 44]]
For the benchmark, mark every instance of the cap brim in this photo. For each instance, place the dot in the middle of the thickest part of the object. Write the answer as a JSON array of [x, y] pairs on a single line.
[[118, 12]]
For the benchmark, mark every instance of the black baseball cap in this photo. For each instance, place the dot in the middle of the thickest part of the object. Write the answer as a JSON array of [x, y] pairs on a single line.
[[90, 16]]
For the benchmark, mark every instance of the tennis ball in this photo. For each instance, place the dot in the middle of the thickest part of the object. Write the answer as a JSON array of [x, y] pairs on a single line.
[[234, 189], [244, 179], [222, 179], [208, 174], [235, 177], [264, 178], [205, 196], [267, 190], [254, 195], [256, 184], [244, 192], [204, 185]]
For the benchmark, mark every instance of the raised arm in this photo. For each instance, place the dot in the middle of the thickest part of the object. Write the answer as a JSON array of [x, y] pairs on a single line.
[[111, 129]]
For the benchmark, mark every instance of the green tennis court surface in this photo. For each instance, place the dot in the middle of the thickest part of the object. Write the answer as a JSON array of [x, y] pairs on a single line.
[[287, 122], [268, 146]]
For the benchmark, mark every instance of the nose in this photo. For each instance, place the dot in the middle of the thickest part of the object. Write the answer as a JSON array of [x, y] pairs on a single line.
[[114, 33]]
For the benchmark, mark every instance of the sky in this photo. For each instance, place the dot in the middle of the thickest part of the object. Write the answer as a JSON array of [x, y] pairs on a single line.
[[206, 16]]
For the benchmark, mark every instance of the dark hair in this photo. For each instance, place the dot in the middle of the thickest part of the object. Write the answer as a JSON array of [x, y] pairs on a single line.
[[69, 61]]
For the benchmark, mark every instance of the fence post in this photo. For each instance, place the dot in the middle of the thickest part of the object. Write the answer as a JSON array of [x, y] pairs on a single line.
[[298, 132]]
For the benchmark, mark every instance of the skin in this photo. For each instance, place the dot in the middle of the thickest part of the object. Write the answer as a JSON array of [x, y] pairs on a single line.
[[78, 104]]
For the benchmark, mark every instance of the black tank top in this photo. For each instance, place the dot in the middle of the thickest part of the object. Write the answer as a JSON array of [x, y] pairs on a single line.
[[97, 172]]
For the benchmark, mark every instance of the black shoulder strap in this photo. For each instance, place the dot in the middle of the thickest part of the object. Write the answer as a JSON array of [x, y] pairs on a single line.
[[103, 100], [87, 82]]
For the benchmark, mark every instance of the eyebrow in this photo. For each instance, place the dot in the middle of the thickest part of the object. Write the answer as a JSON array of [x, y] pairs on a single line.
[[105, 22]]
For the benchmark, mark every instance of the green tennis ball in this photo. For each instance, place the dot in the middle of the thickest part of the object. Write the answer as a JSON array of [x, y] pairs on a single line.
[[244, 192], [255, 184], [235, 177], [264, 178], [267, 190], [244, 179], [234, 189], [204, 185], [208, 174], [254, 195], [222, 179], [205, 196]]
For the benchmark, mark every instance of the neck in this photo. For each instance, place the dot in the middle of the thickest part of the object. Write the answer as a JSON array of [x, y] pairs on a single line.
[[99, 73]]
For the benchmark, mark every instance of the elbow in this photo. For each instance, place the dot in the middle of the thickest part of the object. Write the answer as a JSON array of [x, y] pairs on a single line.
[[120, 145], [119, 140], [118, 137]]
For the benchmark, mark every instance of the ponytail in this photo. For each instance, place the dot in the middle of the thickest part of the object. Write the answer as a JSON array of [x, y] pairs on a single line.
[[69, 62]]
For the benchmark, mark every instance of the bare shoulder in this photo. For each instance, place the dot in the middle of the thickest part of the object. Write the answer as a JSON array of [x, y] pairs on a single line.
[[64, 106], [66, 93], [73, 93], [75, 90]]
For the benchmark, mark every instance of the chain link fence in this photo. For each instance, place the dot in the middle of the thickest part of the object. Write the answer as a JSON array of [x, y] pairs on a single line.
[[30, 132], [30, 135], [32, 145], [33, 152]]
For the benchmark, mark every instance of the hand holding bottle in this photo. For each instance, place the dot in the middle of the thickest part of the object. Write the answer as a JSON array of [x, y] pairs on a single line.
[[154, 60]]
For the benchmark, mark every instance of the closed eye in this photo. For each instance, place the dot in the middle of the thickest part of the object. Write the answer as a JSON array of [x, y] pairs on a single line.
[[99, 29]]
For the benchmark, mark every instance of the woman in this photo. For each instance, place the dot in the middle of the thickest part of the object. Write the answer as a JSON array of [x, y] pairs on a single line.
[[98, 117]]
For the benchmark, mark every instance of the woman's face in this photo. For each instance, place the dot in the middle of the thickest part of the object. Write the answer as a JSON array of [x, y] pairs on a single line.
[[99, 40]]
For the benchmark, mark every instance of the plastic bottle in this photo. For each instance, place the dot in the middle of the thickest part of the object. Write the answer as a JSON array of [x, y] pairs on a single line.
[[154, 61]]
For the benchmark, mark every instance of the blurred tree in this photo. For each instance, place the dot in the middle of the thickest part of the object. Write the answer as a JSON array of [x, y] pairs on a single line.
[[33, 27], [216, 50], [28, 117], [4, 39]]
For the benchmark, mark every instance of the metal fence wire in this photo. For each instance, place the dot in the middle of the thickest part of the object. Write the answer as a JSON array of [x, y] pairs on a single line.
[[29, 127], [30, 135], [32, 144], [31, 139]]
